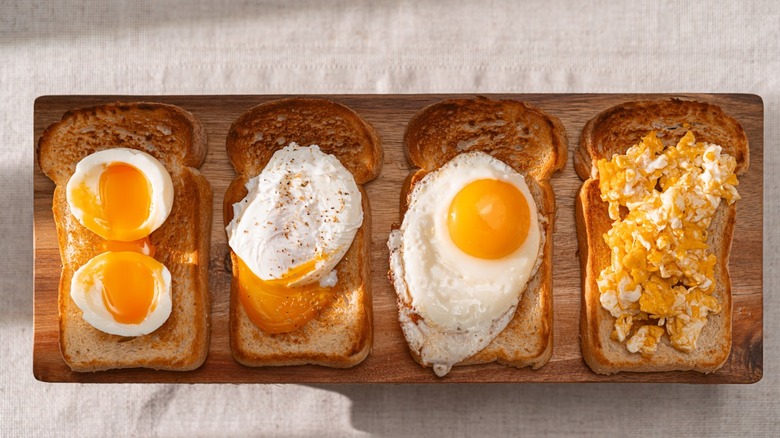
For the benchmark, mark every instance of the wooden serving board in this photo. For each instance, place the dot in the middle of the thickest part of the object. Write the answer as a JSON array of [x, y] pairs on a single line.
[[390, 360]]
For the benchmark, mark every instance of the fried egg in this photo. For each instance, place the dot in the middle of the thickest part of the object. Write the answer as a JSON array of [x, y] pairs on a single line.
[[123, 293], [120, 194], [298, 219], [467, 246]]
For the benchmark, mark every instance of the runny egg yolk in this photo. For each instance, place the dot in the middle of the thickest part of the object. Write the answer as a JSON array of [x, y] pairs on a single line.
[[122, 205], [275, 306], [143, 246], [128, 280], [129, 286], [489, 219], [125, 195]]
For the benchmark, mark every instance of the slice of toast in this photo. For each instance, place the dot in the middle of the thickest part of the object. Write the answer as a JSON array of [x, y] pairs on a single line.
[[533, 143], [178, 141], [340, 336], [613, 132]]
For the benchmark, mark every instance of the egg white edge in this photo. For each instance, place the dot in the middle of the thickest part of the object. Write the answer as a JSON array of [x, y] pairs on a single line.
[[433, 344]]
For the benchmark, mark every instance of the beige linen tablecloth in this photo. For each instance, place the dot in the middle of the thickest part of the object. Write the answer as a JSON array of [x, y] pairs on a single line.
[[226, 47]]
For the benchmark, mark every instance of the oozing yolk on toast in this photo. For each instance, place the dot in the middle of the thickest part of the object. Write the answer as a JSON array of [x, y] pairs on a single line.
[[277, 307]]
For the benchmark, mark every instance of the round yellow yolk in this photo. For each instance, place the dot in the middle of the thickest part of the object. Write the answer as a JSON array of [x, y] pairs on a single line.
[[125, 196], [489, 219], [128, 286], [275, 306]]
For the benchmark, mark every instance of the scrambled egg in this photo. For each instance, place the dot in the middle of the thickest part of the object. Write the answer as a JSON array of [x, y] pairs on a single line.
[[661, 273]]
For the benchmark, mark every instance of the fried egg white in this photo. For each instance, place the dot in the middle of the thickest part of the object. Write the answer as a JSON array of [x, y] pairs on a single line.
[[468, 245], [297, 221]]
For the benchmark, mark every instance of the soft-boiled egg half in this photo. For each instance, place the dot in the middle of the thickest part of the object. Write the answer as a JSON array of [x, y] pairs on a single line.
[[123, 293], [465, 251], [293, 227], [122, 195]]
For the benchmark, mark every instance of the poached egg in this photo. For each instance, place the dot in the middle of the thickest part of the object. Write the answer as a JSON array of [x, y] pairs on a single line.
[[294, 226]]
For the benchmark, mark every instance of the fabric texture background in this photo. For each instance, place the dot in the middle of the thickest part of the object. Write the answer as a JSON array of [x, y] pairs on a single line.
[[342, 46]]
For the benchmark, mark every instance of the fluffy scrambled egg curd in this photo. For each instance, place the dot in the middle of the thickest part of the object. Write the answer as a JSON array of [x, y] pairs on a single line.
[[661, 274]]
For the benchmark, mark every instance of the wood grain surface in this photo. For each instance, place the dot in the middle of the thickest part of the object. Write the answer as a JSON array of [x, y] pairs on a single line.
[[390, 360]]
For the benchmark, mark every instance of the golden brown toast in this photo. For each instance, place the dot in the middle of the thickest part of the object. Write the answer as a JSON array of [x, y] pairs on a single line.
[[613, 132], [340, 336], [534, 144], [178, 141], [605, 134]]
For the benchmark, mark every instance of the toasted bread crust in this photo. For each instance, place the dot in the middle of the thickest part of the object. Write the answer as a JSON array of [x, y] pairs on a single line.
[[182, 242], [431, 140], [268, 127], [519, 134], [341, 336], [616, 129], [613, 132], [166, 132]]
